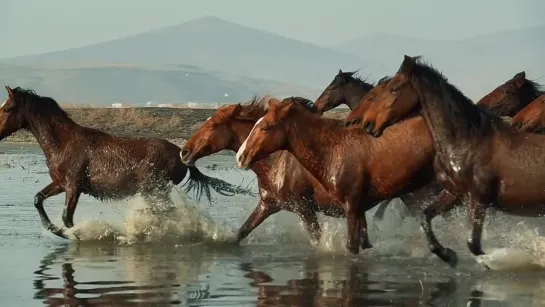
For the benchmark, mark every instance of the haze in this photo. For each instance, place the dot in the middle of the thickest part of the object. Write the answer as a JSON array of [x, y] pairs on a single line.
[[487, 43]]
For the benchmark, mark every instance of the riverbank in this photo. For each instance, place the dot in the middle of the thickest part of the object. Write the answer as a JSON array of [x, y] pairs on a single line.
[[174, 124]]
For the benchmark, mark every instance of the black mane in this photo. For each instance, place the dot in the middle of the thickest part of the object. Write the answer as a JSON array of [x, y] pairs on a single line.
[[363, 82], [37, 104], [257, 107], [534, 89], [461, 110], [306, 103]]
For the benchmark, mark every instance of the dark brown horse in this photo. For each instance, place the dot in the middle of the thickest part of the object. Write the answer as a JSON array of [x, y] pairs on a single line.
[[284, 184], [532, 117], [89, 161], [512, 96], [479, 158], [356, 168], [346, 88]]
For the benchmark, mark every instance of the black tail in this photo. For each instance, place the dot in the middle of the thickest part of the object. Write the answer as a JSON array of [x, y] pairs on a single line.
[[201, 184]]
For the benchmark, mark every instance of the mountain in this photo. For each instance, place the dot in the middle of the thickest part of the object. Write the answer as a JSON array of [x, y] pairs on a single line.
[[104, 84], [216, 44], [476, 65]]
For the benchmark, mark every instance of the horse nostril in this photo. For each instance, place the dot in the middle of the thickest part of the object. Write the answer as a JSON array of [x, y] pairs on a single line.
[[368, 127]]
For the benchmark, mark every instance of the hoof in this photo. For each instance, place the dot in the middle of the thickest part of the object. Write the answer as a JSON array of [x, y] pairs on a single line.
[[353, 250], [449, 256], [57, 231], [367, 246]]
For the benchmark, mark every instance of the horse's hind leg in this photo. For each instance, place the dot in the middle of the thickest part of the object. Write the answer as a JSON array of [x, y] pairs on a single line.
[[379, 214], [50, 190], [444, 202], [310, 219], [260, 213], [365, 243]]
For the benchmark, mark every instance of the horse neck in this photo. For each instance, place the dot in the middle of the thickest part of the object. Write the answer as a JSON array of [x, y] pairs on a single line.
[[51, 133], [353, 95], [309, 139]]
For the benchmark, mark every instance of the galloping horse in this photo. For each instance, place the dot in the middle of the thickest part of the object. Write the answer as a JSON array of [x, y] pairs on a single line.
[[346, 88], [512, 96], [356, 168], [356, 115], [532, 117], [284, 184], [89, 161], [396, 104], [479, 158]]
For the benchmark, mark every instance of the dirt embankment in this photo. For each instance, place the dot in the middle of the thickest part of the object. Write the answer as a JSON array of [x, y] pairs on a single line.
[[174, 124]]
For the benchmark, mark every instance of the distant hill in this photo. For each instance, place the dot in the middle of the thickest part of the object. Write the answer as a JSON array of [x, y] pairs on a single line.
[[105, 84], [216, 44], [476, 65]]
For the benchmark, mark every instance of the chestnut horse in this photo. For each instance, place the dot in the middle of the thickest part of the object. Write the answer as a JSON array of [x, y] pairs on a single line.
[[532, 117], [89, 161], [479, 157], [399, 103], [346, 88], [512, 96], [356, 168], [284, 184], [356, 115]]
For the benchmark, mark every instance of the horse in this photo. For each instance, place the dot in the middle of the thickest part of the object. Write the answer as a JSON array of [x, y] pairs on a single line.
[[92, 162], [532, 117], [346, 88], [358, 169], [512, 96], [284, 184], [399, 103], [479, 158], [356, 115]]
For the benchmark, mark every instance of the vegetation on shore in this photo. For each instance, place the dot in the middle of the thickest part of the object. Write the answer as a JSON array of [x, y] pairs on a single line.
[[174, 124]]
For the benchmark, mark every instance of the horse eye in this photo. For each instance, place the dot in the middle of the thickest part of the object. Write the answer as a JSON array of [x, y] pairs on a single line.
[[265, 127]]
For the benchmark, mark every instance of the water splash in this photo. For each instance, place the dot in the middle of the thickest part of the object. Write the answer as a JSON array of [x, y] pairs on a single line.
[[183, 224]]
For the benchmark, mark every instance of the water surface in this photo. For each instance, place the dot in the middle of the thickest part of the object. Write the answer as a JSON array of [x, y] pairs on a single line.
[[130, 257]]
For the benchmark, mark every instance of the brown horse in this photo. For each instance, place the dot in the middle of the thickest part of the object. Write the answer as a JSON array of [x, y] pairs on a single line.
[[89, 161], [284, 184], [532, 117], [357, 114], [512, 96], [356, 168], [479, 158], [346, 88], [396, 104]]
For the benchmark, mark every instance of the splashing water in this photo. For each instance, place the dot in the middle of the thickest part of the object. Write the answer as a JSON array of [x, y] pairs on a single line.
[[183, 224]]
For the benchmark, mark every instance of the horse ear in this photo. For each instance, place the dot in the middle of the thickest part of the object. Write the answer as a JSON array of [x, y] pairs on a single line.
[[273, 103], [10, 91], [407, 65], [236, 109], [340, 72], [520, 78]]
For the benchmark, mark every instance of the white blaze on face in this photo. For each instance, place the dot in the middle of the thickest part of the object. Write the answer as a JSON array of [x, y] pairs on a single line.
[[242, 149], [3, 103], [208, 118]]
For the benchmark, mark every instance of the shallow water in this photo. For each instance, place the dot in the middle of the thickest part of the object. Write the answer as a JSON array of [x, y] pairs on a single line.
[[128, 256]]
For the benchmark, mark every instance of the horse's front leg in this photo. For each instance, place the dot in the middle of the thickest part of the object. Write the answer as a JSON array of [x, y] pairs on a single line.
[[476, 215], [71, 201], [444, 202], [365, 243], [263, 210], [50, 190]]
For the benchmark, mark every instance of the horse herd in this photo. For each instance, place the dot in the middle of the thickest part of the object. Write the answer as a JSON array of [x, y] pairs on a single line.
[[413, 136]]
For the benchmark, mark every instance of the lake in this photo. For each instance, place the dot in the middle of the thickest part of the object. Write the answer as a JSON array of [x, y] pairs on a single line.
[[127, 256]]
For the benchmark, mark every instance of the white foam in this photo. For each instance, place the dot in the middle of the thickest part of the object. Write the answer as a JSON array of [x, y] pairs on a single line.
[[242, 150]]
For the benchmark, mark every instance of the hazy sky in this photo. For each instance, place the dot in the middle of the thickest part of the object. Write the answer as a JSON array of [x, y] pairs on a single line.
[[35, 26]]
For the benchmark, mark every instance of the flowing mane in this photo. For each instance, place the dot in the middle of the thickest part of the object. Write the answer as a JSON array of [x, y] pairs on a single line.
[[37, 104], [460, 109], [534, 89], [363, 82], [258, 107]]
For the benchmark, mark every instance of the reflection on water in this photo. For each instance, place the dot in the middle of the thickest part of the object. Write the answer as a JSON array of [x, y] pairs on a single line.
[[106, 275]]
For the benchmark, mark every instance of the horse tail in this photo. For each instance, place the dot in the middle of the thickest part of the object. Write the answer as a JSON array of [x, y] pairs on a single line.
[[202, 183]]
